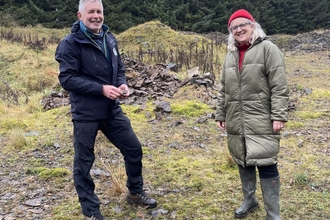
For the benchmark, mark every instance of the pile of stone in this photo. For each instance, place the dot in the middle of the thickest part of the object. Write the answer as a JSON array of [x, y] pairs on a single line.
[[145, 82], [149, 82]]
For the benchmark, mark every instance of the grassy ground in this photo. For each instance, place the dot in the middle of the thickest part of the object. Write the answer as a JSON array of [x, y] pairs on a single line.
[[187, 167]]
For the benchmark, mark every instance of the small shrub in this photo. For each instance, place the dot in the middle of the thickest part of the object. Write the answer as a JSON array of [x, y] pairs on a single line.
[[301, 179], [117, 170], [299, 87], [282, 42], [17, 140]]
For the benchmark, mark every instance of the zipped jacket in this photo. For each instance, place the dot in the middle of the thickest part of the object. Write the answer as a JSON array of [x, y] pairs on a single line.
[[250, 100], [84, 69]]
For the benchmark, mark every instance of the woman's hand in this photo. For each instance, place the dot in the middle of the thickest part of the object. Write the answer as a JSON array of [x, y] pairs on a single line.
[[278, 126], [222, 125]]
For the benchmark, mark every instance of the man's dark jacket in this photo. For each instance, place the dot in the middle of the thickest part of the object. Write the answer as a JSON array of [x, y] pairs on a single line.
[[84, 69]]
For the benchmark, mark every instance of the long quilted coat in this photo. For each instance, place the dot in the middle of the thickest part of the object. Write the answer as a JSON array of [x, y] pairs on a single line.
[[250, 100]]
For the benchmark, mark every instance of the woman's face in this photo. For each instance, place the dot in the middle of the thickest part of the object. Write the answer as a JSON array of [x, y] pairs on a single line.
[[241, 28]]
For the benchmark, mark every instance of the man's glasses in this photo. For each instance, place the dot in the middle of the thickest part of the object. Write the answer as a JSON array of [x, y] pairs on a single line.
[[242, 26]]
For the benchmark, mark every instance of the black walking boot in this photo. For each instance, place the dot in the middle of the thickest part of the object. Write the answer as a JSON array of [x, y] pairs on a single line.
[[141, 199]]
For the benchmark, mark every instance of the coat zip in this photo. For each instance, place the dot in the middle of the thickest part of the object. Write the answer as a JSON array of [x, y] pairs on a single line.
[[105, 51], [241, 103], [241, 109]]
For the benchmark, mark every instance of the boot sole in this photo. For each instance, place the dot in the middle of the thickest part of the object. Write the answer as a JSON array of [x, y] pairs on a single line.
[[139, 203], [250, 210]]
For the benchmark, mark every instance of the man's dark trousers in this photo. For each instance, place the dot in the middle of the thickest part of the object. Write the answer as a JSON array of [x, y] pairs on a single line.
[[119, 132]]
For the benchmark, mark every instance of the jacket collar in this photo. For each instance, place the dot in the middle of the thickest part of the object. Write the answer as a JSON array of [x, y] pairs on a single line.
[[76, 29], [260, 39]]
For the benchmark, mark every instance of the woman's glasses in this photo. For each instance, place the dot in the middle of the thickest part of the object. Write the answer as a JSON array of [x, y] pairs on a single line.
[[242, 26]]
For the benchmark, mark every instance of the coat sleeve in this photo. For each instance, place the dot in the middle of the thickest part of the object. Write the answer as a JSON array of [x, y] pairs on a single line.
[[69, 61], [279, 92], [220, 114]]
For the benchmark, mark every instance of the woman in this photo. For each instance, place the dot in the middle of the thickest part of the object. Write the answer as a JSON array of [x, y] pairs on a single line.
[[253, 108]]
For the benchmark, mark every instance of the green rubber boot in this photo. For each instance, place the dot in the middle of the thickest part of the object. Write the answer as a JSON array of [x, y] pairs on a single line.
[[249, 186], [271, 194]]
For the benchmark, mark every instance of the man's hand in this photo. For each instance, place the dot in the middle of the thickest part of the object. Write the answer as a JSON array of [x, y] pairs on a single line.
[[111, 92], [124, 90]]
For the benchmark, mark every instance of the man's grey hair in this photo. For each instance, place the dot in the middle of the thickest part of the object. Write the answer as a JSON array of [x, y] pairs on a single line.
[[256, 33], [82, 4]]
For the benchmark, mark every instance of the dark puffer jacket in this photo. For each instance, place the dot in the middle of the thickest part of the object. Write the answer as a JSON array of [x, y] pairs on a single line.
[[250, 100], [84, 70]]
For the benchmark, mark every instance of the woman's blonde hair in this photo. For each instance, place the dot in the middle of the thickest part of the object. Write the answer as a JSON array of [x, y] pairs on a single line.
[[256, 33]]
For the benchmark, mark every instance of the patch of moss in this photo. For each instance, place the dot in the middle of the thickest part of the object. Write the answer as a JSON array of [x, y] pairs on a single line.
[[46, 173], [35, 170], [320, 94], [12, 123], [67, 210], [57, 172], [310, 115], [137, 112], [196, 183], [189, 108], [36, 162], [292, 124]]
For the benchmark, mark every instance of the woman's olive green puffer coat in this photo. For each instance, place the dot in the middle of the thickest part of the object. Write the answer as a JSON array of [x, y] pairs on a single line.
[[250, 100]]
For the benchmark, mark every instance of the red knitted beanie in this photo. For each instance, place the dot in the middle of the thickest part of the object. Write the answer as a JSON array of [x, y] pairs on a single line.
[[239, 14]]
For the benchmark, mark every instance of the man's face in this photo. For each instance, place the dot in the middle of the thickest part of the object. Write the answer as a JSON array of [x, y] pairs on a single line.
[[92, 16]]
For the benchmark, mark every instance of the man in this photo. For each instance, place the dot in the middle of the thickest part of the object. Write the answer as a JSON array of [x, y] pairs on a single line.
[[92, 71]]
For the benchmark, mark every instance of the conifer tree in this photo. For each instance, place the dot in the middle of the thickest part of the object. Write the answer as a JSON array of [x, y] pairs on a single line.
[[275, 16]]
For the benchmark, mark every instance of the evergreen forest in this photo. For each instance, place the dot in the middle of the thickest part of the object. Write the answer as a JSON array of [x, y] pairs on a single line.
[[201, 16]]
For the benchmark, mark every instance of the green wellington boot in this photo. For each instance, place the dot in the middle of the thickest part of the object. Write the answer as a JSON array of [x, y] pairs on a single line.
[[249, 186], [271, 194]]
